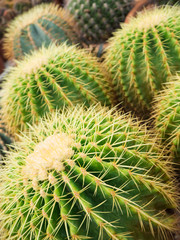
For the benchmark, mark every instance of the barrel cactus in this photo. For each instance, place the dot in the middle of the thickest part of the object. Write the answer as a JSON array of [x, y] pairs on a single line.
[[144, 54], [5, 140], [41, 25], [167, 116], [97, 19], [86, 174], [49, 79]]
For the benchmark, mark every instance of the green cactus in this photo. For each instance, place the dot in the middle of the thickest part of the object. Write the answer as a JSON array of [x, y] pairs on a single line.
[[49, 79], [87, 175], [167, 116], [39, 26], [5, 141], [97, 19], [144, 55]]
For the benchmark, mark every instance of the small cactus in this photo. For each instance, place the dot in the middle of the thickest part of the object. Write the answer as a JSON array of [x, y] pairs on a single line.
[[144, 54], [167, 116], [97, 19], [41, 25], [49, 79], [87, 175]]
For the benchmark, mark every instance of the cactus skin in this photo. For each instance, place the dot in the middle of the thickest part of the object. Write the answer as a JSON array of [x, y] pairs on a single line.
[[51, 79], [41, 25], [111, 182], [144, 55], [167, 117], [97, 19]]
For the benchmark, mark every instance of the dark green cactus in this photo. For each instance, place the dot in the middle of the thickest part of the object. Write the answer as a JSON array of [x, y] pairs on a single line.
[[49, 79], [87, 175], [97, 19], [167, 114], [144, 55], [41, 25]]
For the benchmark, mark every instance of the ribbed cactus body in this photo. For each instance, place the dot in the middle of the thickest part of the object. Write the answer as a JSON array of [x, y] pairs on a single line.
[[41, 25], [144, 54], [86, 175], [51, 79], [97, 19], [168, 116]]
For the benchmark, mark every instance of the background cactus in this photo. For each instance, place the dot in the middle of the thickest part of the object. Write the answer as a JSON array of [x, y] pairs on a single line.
[[86, 174], [39, 26], [167, 115], [97, 19], [5, 141], [49, 79], [144, 55]]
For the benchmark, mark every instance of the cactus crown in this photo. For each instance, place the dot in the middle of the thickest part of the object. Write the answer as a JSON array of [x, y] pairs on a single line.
[[109, 164], [167, 115], [42, 24], [144, 54], [49, 79]]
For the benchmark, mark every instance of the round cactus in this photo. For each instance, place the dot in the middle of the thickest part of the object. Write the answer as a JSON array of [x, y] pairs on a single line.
[[167, 115], [86, 175], [97, 19], [49, 79], [144, 54], [39, 26]]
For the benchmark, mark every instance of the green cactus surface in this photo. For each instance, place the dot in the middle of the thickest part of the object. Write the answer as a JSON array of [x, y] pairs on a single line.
[[167, 116], [41, 25], [86, 174], [97, 19], [144, 54], [51, 79]]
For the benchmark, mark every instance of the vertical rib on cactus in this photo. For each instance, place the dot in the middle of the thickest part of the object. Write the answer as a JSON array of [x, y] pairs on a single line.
[[87, 175], [49, 79], [97, 19], [144, 54], [41, 25], [167, 115]]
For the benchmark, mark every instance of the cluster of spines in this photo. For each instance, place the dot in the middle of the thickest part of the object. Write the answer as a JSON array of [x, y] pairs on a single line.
[[40, 26], [116, 168], [144, 54], [51, 79], [167, 116], [97, 20]]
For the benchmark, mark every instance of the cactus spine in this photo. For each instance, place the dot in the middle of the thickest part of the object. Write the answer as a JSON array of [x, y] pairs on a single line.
[[49, 79], [39, 26], [97, 19], [167, 115], [86, 174], [144, 54]]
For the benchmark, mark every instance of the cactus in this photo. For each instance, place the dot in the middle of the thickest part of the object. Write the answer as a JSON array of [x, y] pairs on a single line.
[[39, 26], [97, 19], [167, 116], [52, 78], [86, 174], [144, 54], [5, 141]]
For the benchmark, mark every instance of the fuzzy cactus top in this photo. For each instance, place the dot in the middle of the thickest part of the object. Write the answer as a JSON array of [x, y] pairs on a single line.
[[87, 174]]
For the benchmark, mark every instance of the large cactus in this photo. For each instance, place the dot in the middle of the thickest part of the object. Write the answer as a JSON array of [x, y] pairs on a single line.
[[49, 79], [97, 19], [144, 55], [86, 175], [41, 25], [167, 115]]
